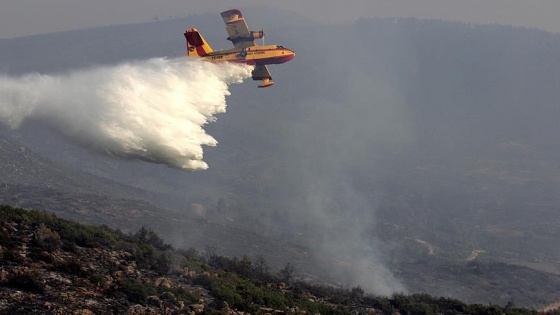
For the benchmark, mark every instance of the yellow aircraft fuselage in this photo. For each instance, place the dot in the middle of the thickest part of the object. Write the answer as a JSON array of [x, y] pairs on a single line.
[[254, 55]]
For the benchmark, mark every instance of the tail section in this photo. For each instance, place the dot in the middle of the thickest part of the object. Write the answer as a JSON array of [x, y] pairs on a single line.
[[196, 45]]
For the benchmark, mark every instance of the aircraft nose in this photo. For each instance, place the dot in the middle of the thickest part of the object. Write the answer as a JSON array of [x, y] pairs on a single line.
[[288, 56], [291, 54]]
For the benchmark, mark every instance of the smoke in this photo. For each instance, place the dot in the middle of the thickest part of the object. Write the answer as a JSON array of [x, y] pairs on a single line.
[[339, 148], [344, 222], [152, 110]]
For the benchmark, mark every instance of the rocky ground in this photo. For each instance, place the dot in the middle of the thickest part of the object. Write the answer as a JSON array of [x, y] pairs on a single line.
[[55, 266], [59, 267], [85, 280]]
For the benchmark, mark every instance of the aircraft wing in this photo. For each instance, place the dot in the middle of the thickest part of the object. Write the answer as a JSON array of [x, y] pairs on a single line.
[[237, 29]]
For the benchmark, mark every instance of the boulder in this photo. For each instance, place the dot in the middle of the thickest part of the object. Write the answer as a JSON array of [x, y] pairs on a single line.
[[163, 282]]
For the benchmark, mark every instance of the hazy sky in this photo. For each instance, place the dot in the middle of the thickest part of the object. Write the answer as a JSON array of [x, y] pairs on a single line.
[[29, 17]]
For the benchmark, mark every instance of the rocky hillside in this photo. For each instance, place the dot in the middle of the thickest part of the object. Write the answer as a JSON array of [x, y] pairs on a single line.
[[55, 266]]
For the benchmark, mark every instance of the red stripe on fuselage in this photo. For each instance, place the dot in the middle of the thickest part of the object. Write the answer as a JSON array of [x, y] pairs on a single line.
[[274, 60], [264, 61]]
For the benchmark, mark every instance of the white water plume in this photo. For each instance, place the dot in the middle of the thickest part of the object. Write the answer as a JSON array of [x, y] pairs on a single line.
[[153, 110]]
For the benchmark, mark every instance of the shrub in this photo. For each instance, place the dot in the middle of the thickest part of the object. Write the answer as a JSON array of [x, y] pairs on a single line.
[[97, 279], [73, 267], [69, 246], [6, 240], [9, 255], [184, 294], [287, 273], [26, 282], [135, 291], [162, 264], [147, 236], [46, 238]]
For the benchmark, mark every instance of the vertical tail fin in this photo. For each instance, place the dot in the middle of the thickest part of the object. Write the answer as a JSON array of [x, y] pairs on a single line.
[[196, 45]]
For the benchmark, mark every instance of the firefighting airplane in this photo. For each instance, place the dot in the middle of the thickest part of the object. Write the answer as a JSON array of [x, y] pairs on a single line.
[[245, 50]]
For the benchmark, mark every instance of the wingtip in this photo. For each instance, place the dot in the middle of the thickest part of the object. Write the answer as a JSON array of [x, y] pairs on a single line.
[[232, 11]]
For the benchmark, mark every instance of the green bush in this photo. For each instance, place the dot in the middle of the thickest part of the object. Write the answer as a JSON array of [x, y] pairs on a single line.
[[97, 279], [147, 236], [162, 264], [185, 295], [135, 291]]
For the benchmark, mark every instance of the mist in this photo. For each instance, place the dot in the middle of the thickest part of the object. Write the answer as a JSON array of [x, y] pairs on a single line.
[[153, 110]]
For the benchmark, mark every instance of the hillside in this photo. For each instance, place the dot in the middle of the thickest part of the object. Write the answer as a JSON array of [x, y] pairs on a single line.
[[32, 182], [57, 266]]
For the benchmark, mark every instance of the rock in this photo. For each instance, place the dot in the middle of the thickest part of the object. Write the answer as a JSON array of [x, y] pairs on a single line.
[[107, 285], [3, 276], [181, 305], [130, 270], [197, 308], [163, 282], [90, 302], [136, 310]]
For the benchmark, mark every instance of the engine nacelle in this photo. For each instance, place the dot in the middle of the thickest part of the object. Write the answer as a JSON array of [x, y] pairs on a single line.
[[257, 34], [252, 36]]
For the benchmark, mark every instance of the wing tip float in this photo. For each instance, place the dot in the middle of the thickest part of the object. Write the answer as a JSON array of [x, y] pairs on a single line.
[[245, 50], [265, 83]]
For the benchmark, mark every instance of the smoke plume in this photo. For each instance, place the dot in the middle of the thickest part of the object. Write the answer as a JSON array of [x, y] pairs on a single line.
[[153, 110]]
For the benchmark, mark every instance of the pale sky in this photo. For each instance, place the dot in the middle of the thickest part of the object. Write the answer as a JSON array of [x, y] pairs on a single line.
[[30, 17]]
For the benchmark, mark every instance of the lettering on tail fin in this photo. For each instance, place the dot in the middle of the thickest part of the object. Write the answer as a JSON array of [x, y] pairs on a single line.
[[196, 45]]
